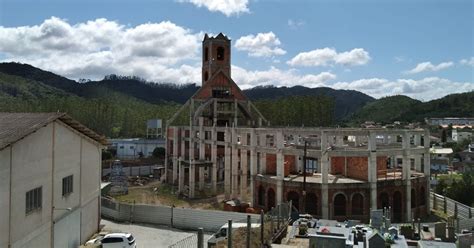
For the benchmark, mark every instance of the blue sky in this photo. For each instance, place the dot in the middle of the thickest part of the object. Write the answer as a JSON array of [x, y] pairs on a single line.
[[423, 49]]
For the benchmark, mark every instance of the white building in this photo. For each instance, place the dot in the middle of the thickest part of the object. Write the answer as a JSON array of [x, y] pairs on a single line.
[[136, 147], [458, 136], [49, 180]]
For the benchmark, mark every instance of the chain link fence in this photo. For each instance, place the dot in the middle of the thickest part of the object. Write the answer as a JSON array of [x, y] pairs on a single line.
[[188, 242]]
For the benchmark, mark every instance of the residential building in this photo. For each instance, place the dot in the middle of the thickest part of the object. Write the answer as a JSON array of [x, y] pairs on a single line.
[[440, 160], [459, 136], [461, 121], [49, 180], [136, 147]]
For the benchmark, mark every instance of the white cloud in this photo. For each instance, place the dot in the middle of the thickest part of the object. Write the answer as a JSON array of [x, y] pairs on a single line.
[[226, 7], [327, 56], [469, 62], [428, 66], [154, 51], [295, 24], [260, 45], [277, 77], [424, 89]]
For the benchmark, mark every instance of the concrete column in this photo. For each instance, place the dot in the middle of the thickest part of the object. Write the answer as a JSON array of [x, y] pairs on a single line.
[[192, 178], [227, 165], [202, 177], [192, 168], [427, 167], [280, 164], [372, 142], [406, 164], [372, 178], [253, 165], [243, 178], [214, 161], [417, 139], [417, 158], [339, 140], [263, 155], [183, 144], [324, 177], [175, 156], [181, 175], [235, 165]]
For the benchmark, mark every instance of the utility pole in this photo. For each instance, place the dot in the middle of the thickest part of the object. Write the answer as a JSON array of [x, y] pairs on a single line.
[[304, 175]]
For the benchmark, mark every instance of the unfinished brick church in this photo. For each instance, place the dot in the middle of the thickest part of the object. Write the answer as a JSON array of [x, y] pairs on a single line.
[[219, 143]]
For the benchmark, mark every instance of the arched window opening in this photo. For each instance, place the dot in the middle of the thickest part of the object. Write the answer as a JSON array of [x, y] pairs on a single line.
[[206, 54], [220, 53], [270, 198], [294, 198], [311, 204], [261, 196], [340, 205], [422, 196], [206, 76], [357, 204]]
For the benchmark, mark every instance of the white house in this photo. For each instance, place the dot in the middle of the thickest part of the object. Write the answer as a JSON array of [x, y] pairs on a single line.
[[135, 147], [459, 136], [49, 180]]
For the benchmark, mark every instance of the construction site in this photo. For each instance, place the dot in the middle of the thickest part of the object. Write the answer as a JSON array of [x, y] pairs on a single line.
[[219, 142]]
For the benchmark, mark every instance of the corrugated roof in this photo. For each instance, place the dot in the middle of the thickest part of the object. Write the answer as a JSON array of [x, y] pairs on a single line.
[[15, 126]]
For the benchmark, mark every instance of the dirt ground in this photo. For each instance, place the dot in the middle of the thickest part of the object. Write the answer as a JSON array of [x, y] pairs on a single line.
[[156, 193]]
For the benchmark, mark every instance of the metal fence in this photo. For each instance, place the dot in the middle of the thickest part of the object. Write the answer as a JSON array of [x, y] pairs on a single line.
[[184, 218], [142, 170], [462, 213], [189, 242]]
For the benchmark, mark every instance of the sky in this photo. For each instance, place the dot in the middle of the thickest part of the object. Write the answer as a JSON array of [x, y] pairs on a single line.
[[420, 48]]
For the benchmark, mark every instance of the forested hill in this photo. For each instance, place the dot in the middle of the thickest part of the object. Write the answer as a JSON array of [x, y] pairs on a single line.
[[346, 102], [403, 108]]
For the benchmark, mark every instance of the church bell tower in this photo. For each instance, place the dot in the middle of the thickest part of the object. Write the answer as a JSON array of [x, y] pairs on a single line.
[[215, 56]]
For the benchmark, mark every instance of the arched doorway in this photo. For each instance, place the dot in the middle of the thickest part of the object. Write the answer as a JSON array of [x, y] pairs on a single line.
[[357, 204], [397, 206], [384, 201], [294, 198], [340, 205], [261, 196], [311, 206], [270, 198], [413, 198]]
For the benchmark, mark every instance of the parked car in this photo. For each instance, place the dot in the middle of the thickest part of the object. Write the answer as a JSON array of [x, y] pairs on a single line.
[[119, 240]]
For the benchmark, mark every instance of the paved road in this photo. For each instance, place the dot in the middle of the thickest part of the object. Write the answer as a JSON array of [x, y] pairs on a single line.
[[150, 236]]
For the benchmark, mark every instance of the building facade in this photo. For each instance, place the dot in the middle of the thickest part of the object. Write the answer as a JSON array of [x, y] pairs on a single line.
[[49, 180], [221, 144], [136, 147]]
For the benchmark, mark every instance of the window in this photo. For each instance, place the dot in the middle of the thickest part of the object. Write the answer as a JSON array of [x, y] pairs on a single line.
[[206, 76], [220, 53], [34, 200], [121, 147], [132, 147], [206, 54], [67, 185], [111, 240]]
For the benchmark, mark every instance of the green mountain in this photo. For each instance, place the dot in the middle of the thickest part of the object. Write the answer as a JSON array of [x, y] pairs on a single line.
[[346, 102], [403, 108]]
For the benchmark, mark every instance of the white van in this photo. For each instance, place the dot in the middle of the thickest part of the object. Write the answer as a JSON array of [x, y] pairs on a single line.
[[222, 233]]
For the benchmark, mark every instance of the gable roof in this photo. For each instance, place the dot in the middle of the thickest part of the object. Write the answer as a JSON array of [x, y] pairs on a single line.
[[15, 126], [209, 84]]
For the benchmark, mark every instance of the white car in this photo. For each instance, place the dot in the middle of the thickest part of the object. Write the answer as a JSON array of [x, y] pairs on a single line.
[[118, 240]]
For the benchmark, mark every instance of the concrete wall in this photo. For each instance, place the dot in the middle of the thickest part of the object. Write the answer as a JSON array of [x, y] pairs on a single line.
[[33, 158], [4, 196], [32, 168]]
